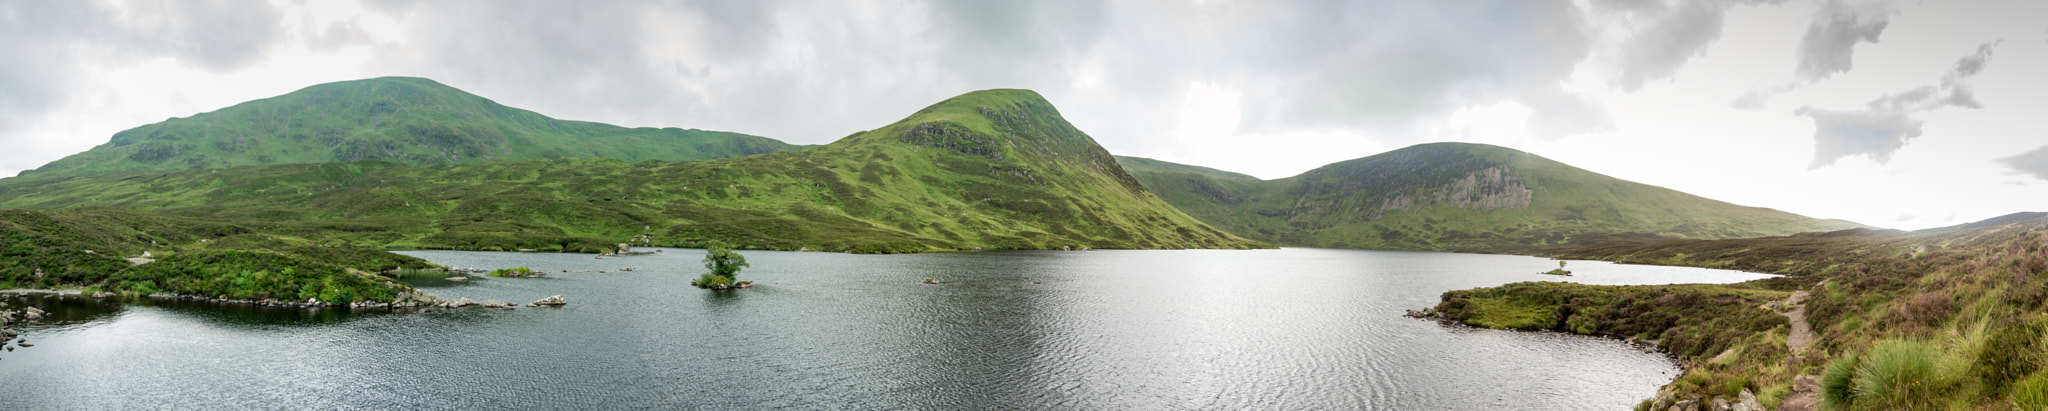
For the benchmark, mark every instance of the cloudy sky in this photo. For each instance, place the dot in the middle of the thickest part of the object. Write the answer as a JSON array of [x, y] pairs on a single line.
[[1902, 114]]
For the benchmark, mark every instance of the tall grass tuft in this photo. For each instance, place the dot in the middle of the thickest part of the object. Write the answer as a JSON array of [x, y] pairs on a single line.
[[1899, 374], [1838, 384], [2031, 393]]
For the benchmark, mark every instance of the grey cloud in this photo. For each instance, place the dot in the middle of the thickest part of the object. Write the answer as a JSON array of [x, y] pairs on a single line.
[[1666, 45], [1970, 65], [1299, 65], [1382, 64], [1877, 133], [1888, 122], [1829, 46], [48, 43], [1671, 37], [336, 35], [2033, 163], [1559, 114], [802, 71]]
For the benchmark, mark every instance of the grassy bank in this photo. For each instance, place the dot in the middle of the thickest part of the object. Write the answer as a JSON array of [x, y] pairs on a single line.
[[1947, 318], [90, 248], [1721, 333]]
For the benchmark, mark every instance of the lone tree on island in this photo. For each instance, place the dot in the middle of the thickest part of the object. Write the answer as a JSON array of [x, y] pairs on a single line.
[[724, 264]]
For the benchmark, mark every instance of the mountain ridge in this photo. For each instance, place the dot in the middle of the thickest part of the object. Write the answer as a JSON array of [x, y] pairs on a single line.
[[408, 120], [993, 169], [1460, 197]]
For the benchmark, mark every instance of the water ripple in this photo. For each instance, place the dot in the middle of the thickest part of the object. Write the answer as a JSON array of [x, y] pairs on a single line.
[[1265, 329]]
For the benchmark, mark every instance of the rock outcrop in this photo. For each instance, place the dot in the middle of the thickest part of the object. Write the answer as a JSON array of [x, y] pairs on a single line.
[[552, 301]]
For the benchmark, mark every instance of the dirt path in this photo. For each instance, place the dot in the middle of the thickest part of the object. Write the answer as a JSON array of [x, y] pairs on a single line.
[[1802, 333], [1805, 394]]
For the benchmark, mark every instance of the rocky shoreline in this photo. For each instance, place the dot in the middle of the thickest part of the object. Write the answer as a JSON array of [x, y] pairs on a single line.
[[414, 299], [11, 338]]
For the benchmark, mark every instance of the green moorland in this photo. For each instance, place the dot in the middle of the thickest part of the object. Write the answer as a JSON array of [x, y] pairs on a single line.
[[412, 121], [1454, 197], [996, 169], [1951, 318], [88, 248]]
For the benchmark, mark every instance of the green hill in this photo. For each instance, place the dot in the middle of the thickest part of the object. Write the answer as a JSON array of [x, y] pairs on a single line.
[[997, 169], [406, 120], [1457, 197]]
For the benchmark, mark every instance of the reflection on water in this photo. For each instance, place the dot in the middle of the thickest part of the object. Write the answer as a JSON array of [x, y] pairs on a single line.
[[1268, 329]]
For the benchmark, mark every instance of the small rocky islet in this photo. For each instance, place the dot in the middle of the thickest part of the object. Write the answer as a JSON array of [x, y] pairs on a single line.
[[9, 319]]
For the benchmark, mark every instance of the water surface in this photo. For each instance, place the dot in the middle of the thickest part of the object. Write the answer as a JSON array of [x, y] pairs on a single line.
[[1194, 329]]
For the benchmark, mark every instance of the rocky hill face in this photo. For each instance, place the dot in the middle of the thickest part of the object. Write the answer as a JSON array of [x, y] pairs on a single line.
[[1459, 197], [410, 121]]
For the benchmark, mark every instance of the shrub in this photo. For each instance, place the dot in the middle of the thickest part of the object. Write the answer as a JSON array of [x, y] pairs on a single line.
[[711, 281], [722, 261], [514, 272], [2031, 393], [1899, 374], [2006, 357], [1928, 309], [1838, 384]]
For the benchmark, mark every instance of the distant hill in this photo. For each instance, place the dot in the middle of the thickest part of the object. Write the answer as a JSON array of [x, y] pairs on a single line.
[[1137, 165], [996, 169], [1457, 197], [411, 121]]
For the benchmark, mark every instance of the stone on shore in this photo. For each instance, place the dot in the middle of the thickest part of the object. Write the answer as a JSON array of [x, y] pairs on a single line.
[[551, 301], [1748, 402]]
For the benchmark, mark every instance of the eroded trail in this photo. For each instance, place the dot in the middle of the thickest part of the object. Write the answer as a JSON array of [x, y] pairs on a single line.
[[1805, 394], [1802, 333]]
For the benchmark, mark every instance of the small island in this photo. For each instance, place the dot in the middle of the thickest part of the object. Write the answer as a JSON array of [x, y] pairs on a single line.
[[516, 272], [725, 266], [1560, 269]]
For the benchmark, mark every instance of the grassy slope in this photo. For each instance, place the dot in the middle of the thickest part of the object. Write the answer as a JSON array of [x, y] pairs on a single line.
[[1458, 197], [996, 169], [86, 247], [400, 119], [1965, 304]]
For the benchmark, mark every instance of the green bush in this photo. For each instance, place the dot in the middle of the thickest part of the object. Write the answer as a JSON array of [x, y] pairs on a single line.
[[514, 272], [722, 261], [711, 281]]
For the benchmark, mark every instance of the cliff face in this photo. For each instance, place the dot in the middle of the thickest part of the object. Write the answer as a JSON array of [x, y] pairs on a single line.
[[1488, 189]]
